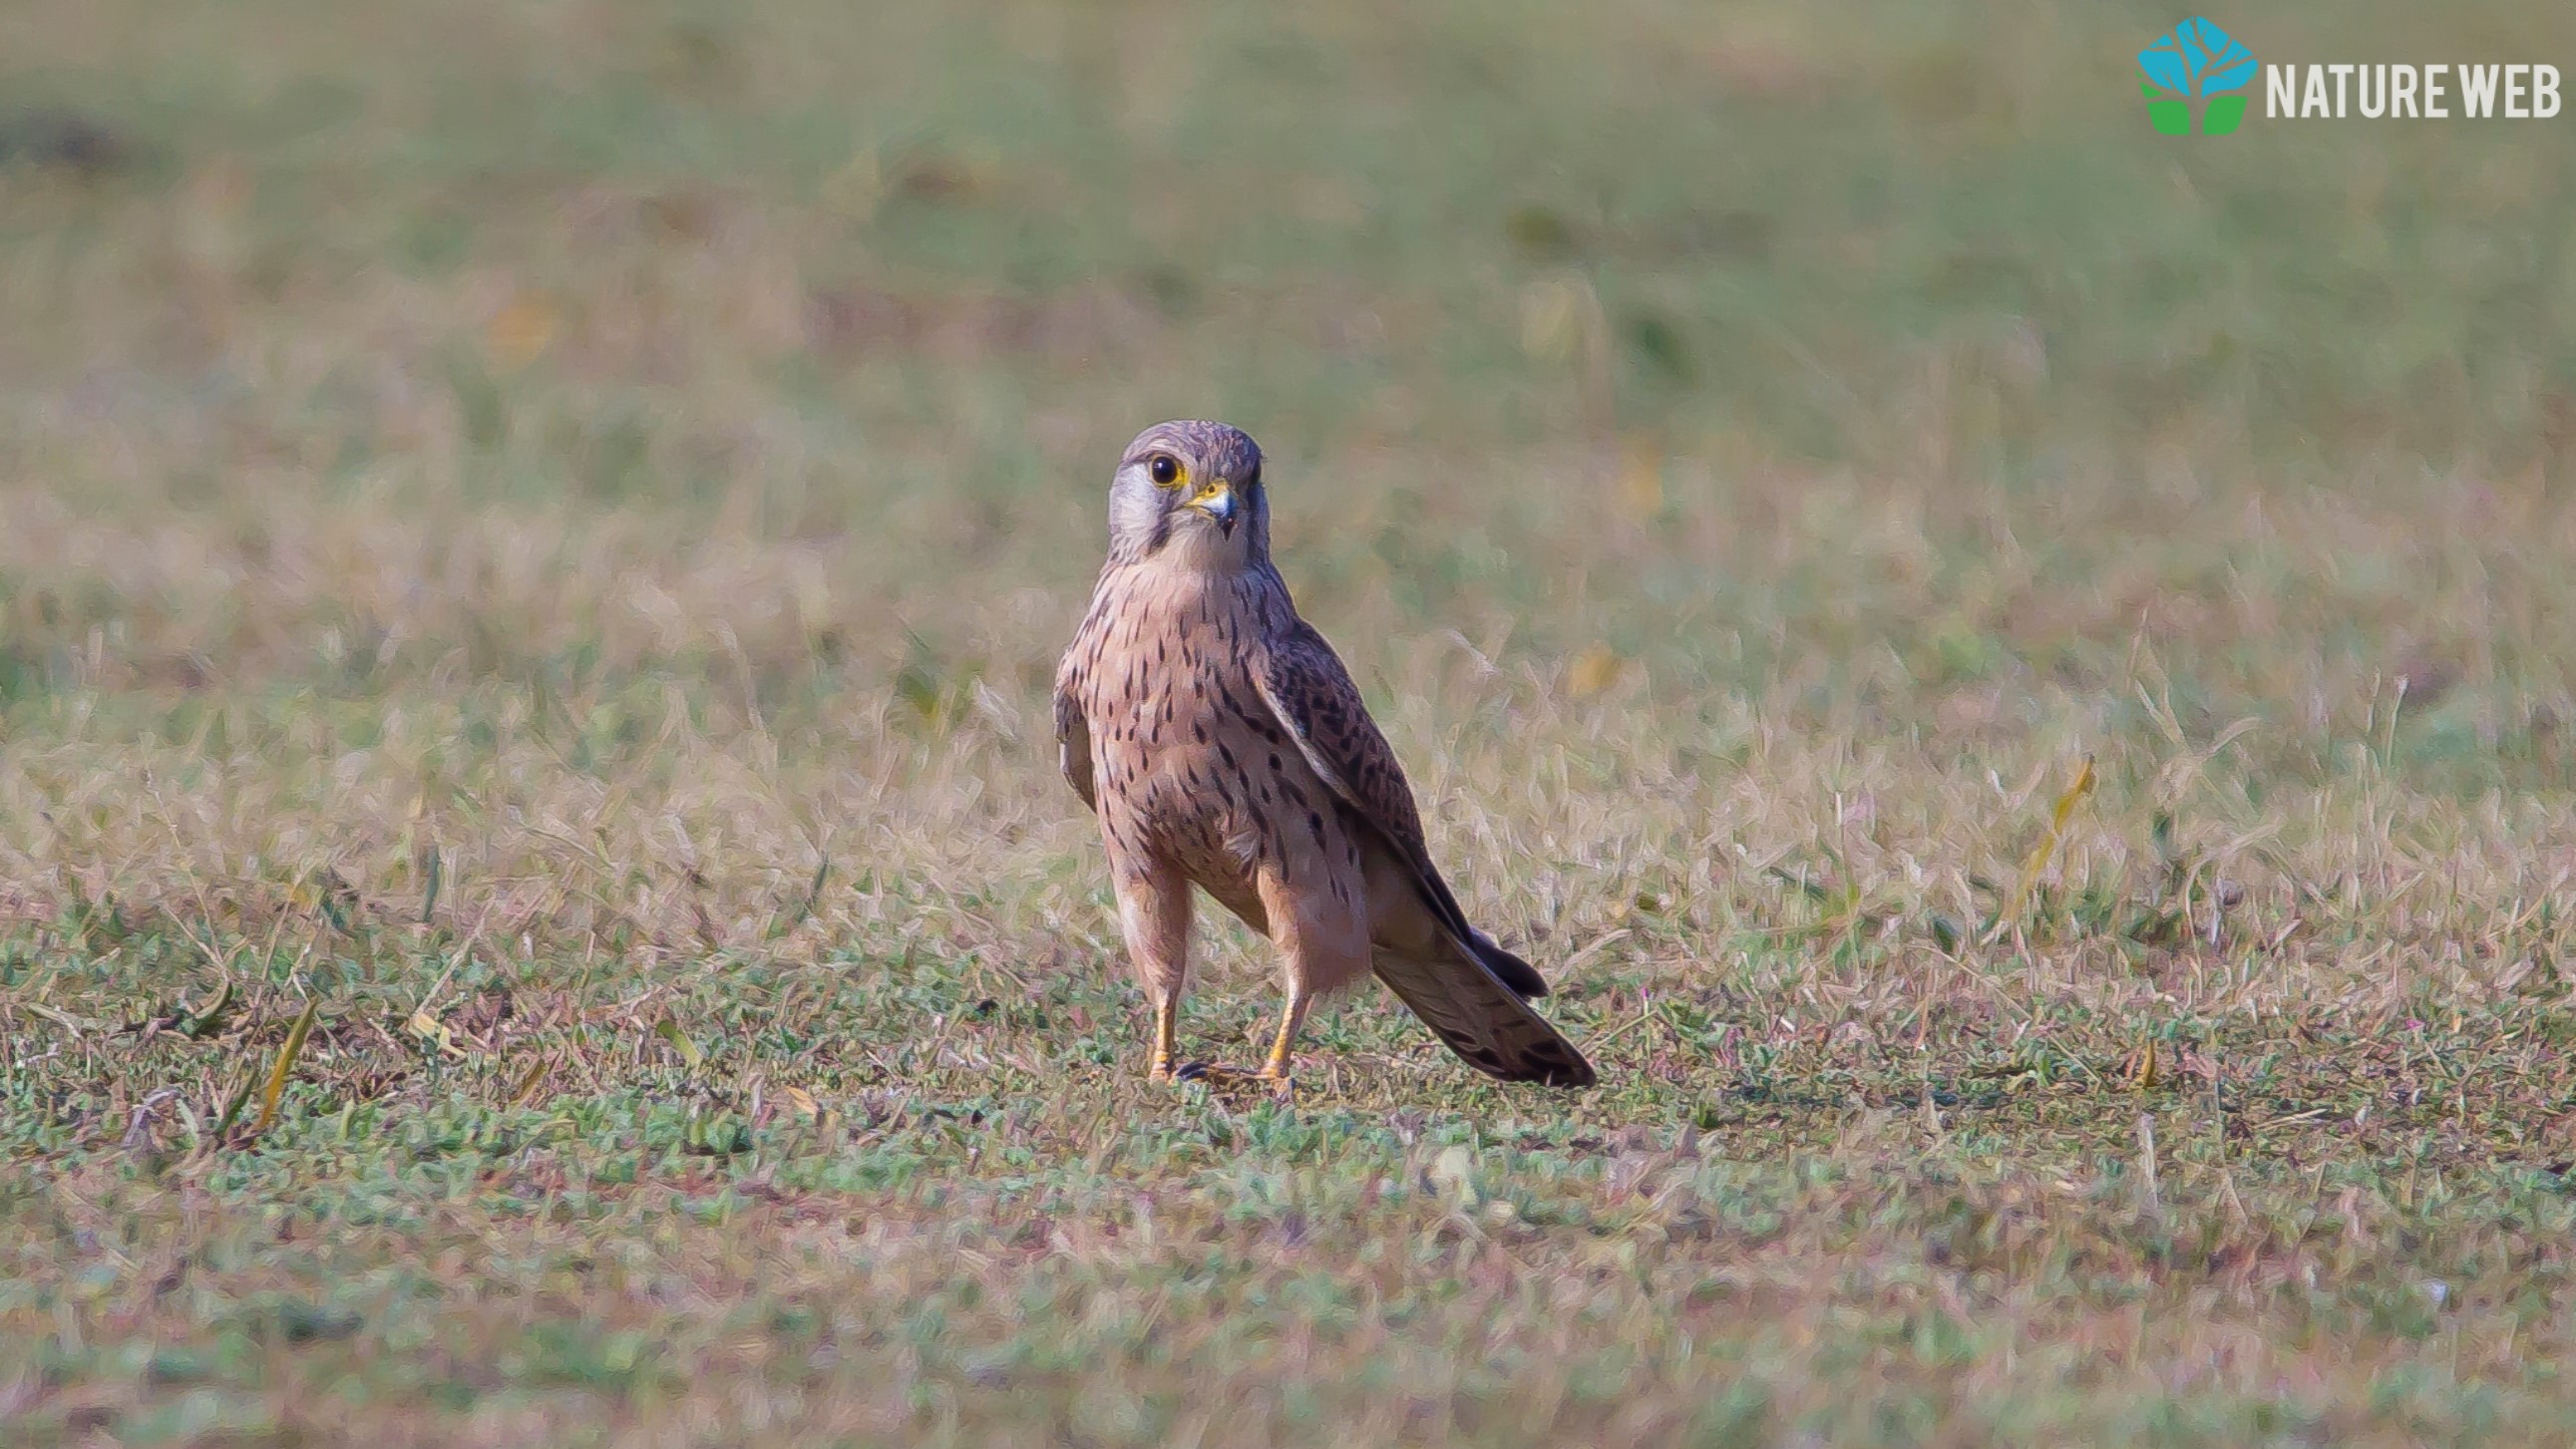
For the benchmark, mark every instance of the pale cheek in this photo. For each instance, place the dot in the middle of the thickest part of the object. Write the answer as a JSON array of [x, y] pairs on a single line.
[[1135, 512]]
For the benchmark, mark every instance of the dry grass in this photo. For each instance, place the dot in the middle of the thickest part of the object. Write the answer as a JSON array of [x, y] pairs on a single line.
[[541, 533]]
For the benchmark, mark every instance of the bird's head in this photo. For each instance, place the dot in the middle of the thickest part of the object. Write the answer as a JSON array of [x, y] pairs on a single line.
[[1191, 487]]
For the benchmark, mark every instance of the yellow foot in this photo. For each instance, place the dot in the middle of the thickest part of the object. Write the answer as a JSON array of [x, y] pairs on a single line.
[[1235, 1079]]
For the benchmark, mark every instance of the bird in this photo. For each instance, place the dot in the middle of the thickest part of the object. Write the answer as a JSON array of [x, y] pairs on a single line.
[[1221, 744]]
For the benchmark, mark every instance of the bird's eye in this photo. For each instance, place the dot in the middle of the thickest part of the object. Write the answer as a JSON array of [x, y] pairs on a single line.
[[1165, 469]]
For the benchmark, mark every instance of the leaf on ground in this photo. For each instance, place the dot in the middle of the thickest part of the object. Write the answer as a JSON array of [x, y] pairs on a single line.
[[68, 1022], [529, 1084], [1594, 670], [285, 1066], [669, 1031], [437, 1033], [233, 1107], [200, 1024], [2037, 865], [436, 870]]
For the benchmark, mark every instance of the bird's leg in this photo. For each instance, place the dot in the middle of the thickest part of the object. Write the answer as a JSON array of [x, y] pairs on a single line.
[[1154, 913], [1167, 1015], [1290, 1020]]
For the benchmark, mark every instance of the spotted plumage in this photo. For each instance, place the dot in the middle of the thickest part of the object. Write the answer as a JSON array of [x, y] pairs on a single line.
[[1222, 744]]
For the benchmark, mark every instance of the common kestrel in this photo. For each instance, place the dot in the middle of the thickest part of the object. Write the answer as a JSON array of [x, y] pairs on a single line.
[[1223, 745]]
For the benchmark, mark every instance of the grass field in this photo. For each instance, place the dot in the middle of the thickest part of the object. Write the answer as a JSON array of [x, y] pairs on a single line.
[[534, 538]]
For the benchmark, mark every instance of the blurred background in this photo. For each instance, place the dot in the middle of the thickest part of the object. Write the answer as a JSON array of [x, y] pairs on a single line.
[[535, 536], [579, 437]]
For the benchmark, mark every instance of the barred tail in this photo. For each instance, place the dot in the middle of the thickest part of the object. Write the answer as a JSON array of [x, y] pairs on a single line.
[[1478, 1012]]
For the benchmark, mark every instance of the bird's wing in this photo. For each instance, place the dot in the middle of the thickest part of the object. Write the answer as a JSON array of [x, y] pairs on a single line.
[[1072, 731], [1471, 992], [1311, 693]]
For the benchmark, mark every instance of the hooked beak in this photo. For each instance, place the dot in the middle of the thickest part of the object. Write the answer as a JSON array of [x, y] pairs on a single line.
[[1218, 503]]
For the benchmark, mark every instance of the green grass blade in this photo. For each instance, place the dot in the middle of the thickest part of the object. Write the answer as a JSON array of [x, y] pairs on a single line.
[[285, 1065]]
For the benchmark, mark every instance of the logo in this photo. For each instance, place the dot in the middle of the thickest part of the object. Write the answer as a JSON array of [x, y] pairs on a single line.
[[2190, 75]]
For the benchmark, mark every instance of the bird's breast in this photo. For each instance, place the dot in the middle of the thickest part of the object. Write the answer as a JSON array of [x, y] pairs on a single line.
[[1190, 760]]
